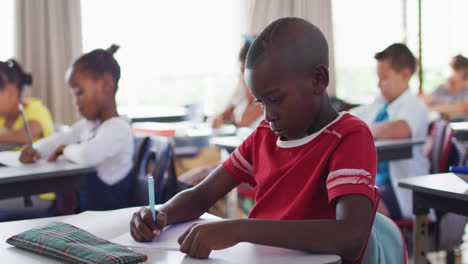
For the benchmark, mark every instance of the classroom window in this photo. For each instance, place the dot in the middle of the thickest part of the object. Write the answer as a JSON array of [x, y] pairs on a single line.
[[364, 27], [171, 52], [7, 29], [361, 28], [444, 36]]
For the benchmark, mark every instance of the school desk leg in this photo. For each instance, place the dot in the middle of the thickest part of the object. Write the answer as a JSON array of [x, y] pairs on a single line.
[[231, 204], [420, 238]]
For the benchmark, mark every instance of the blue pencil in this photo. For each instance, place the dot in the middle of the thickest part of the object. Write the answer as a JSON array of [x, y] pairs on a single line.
[[26, 126], [151, 195]]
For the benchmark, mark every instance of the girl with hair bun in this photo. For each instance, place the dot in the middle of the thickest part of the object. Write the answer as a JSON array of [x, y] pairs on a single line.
[[12, 131], [102, 139]]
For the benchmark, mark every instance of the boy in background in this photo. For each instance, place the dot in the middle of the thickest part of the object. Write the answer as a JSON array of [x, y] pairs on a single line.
[[452, 96], [396, 114]]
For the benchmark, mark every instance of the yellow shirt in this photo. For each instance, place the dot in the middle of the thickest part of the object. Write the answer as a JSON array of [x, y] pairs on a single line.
[[36, 111]]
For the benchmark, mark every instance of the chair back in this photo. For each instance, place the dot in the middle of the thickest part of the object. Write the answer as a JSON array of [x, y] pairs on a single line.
[[386, 243], [441, 143], [153, 156], [374, 212]]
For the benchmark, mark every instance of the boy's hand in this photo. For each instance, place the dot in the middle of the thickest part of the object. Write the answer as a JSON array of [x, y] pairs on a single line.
[[58, 151], [217, 122], [29, 155], [383, 209], [142, 226], [199, 239]]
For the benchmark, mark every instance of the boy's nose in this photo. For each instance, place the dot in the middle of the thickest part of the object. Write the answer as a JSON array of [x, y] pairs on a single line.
[[270, 115], [77, 102]]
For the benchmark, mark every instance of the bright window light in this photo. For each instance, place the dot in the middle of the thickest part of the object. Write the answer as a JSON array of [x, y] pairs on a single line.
[[6, 27], [364, 27], [361, 29], [171, 52]]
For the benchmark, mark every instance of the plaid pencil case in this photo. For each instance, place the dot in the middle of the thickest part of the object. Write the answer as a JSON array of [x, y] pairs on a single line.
[[73, 245]]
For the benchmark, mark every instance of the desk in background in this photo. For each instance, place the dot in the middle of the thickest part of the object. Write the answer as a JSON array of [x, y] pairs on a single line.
[[4, 147], [155, 113], [461, 130], [444, 191], [188, 137], [459, 117], [396, 149], [112, 224], [42, 177]]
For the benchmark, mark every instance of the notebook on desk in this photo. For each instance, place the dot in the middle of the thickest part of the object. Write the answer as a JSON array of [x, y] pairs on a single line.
[[10, 159], [167, 240]]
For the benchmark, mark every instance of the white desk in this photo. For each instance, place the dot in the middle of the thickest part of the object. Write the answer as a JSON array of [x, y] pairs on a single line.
[[444, 191], [155, 113], [188, 137], [111, 224], [41, 178], [461, 130], [396, 149]]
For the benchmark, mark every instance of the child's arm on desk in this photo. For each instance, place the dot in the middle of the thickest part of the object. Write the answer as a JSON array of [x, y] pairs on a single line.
[[345, 236], [391, 129], [20, 137], [186, 205]]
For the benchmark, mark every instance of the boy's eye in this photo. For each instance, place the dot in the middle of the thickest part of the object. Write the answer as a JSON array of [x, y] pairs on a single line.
[[274, 99]]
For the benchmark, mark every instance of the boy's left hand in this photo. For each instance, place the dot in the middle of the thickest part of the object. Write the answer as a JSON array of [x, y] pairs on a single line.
[[199, 239], [58, 151]]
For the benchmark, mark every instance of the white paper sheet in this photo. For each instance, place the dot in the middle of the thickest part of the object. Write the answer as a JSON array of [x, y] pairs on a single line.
[[10, 158], [167, 240]]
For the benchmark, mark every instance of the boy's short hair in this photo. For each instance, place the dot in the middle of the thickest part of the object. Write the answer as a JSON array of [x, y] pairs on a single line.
[[400, 56], [460, 63], [311, 49], [245, 48]]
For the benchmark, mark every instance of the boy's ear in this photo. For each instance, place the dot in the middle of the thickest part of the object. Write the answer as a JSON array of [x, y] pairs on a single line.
[[108, 83], [320, 78], [406, 72]]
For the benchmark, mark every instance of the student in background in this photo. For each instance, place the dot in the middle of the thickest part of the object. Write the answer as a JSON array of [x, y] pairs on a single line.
[[242, 110], [103, 138], [396, 113], [314, 168], [452, 96], [12, 131]]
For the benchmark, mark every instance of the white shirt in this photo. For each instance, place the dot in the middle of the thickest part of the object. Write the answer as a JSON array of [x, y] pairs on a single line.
[[107, 146], [411, 109]]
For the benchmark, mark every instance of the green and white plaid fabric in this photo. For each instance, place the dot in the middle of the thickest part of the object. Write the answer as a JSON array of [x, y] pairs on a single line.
[[74, 245]]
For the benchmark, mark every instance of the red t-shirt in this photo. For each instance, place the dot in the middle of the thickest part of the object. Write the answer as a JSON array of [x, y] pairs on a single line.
[[300, 179]]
